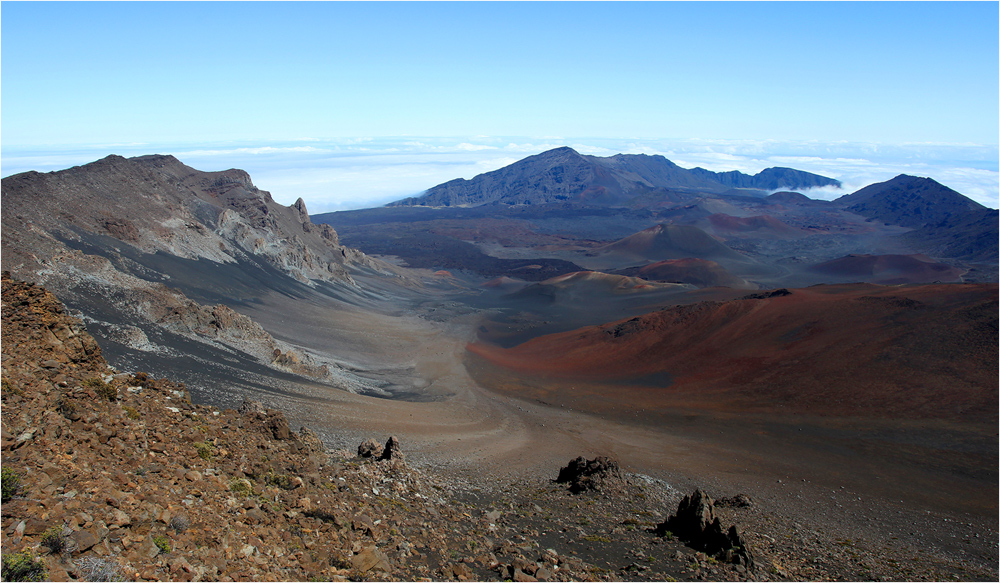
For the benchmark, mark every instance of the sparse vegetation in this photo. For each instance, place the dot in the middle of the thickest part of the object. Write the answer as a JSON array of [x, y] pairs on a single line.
[[23, 566], [103, 389], [131, 412], [205, 450], [162, 543], [101, 569], [280, 480], [54, 540], [241, 487], [10, 482]]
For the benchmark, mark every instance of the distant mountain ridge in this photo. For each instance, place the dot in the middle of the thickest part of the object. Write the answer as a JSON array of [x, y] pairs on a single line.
[[563, 174], [768, 179], [908, 201], [946, 223]]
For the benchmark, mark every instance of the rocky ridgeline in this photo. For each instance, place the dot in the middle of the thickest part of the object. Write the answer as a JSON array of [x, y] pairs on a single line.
[[115, 232]]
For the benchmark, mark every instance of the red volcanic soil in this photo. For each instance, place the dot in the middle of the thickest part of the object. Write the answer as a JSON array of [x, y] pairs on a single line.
[[926, 351], [890, 269], [758, 225], [700, 272]]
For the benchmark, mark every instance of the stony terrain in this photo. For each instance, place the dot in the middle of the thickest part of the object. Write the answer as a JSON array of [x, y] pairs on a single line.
[[114, 475]]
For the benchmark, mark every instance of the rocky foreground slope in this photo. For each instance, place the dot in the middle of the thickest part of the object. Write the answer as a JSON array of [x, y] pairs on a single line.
[[112, 475]]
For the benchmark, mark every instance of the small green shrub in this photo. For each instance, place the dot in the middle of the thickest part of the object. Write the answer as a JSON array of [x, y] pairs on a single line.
[[162, 543], [54, 540], [103, 389], [23, 567], [205, 450], [280, 480], [10, 482], [131, 413], [240, 487]]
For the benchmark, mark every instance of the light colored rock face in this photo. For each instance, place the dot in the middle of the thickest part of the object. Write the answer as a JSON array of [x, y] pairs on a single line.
[[123, 231], [156, 203]]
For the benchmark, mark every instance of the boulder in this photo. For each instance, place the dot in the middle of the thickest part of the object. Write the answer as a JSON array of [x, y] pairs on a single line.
[[371, 559], [695, 523], [252, 408], [595, 474], [737, 501], [310, 440], [370, 448], [278, 425], [392, 450], [84, 540]]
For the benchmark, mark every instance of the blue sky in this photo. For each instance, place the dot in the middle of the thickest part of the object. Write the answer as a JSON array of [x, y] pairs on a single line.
[[331, 101]]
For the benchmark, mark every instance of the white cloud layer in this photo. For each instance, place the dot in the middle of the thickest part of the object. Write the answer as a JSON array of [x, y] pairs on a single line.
[[364, 172]]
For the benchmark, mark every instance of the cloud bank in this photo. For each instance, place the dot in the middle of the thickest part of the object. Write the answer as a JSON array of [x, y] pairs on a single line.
[[363, 172]]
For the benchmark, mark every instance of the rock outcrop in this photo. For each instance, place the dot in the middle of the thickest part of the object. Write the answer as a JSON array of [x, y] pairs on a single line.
[[598, 474], [370, 448], [696, 523]]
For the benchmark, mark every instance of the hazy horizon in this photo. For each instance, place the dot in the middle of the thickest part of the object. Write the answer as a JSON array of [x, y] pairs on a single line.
[[346, 174]]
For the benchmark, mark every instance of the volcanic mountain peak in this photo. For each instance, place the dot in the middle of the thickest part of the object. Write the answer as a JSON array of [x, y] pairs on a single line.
[[908, 201]]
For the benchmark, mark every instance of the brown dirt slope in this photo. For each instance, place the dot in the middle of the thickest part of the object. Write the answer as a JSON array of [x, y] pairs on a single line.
[[916, 351]]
